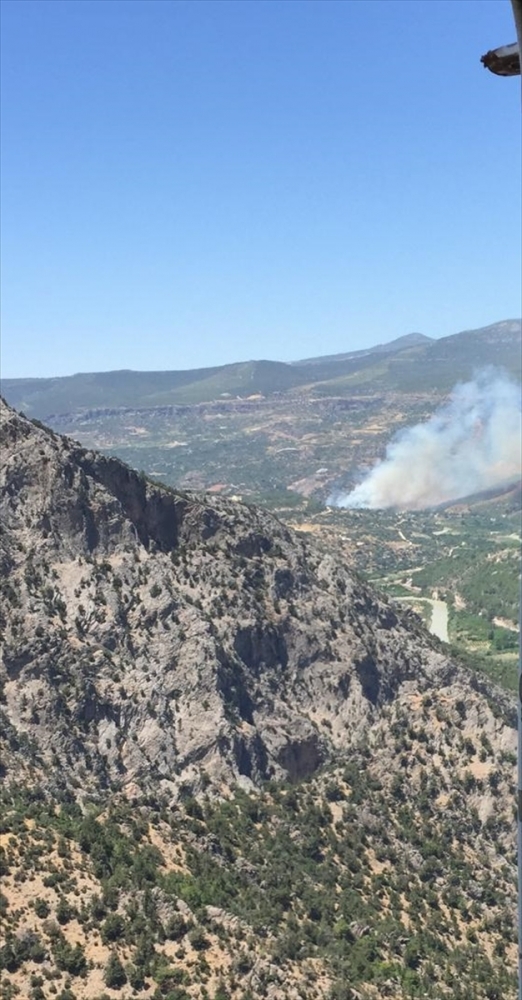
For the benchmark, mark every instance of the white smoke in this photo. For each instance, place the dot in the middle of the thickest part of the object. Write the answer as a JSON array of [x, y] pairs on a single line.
[[471, 443]]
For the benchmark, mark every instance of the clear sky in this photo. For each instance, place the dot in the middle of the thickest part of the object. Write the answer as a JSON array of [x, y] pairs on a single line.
[[192, 183]]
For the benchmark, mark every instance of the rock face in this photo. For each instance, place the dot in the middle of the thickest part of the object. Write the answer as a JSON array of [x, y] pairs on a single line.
[[160, 641]]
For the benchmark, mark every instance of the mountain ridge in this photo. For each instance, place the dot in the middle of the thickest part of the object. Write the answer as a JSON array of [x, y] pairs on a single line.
[[399, 343], [398, 365], [101, 520]]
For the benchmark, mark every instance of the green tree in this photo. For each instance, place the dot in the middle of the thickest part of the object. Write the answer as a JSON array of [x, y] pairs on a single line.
[[113, 928], [114, 976]]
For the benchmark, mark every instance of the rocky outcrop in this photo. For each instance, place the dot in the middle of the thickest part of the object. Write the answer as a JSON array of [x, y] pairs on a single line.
[[158, 639]]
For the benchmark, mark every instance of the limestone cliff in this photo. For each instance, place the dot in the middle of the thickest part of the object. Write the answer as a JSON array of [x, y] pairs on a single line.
[[157, 640]]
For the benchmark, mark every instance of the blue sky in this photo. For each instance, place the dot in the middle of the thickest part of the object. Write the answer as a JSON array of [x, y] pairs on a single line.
[[194, 183]]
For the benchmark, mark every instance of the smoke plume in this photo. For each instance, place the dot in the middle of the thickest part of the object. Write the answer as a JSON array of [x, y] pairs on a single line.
[[471, 443]]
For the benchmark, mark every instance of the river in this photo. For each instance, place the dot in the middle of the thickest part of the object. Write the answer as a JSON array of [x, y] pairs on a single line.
[[439, 619], [439, 615]]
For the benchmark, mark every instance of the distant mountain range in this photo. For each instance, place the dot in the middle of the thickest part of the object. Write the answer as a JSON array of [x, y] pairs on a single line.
[[399, 344], [407, 364]]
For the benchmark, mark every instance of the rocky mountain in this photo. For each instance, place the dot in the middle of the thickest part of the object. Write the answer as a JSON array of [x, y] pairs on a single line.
[[159, 638], [163, 651]]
